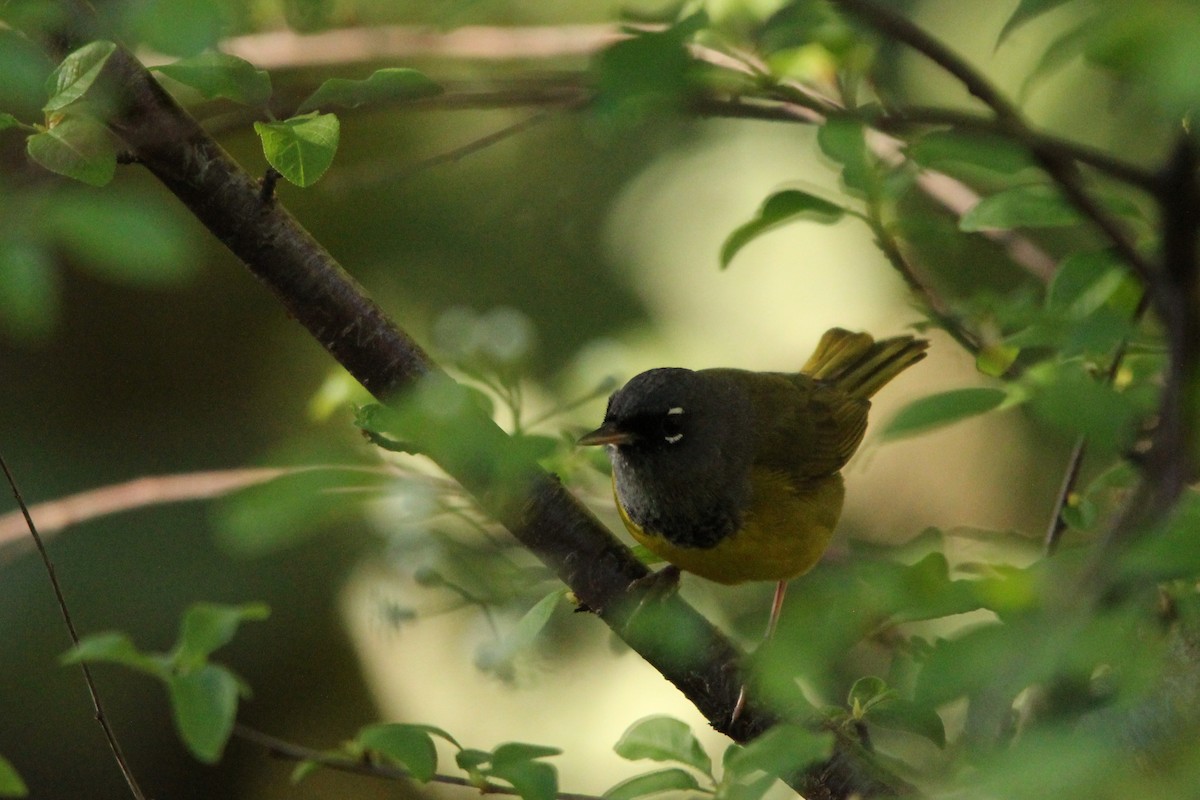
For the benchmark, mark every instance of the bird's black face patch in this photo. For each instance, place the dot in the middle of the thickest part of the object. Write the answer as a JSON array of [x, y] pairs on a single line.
[[657, 430], [651, 409]]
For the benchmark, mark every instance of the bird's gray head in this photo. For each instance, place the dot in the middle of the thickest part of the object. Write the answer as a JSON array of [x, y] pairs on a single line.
[[680, 444]]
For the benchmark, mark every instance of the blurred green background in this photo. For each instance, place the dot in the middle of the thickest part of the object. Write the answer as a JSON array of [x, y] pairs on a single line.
[[141, 347]]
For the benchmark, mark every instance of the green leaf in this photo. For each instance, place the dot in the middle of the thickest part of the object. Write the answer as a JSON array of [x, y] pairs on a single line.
[[29, 298], [995, 359], [533, 780], [8, 121], [78, 147], [1171, 552], [670, 779], [303, 769], [734, 787], [536, 447], [23, 61], [384, 85], [1058, 53], [1070, 399], [76, 74], [123, 237], [497, 656], [662, 738], [1026, 11], [1154, 47], [942, 150], [918, 591], [649, 72], [1058, 761], [844, 141], [470, 758], [300, 148], [1031, 206], [967, 664], [204, 704], [510, 752], [939, 410], [531, 624], [899, 714], [207, 627], [214, 74], [276, 514], [782, 751], [177, 27], [410, 746], [11, 784], [1084, 281], [779, 208], [113, 648], [307, 16], [867, 692]]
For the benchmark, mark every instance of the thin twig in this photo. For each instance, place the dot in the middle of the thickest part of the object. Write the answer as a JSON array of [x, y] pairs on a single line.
[[97, 706], [290, 751], [1058, 524], [355, 180], [287, 50], [934, 306], [894, 119]]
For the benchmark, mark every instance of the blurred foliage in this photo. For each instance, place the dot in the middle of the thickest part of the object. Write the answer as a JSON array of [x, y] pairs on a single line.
[[1072, 672], [204, 696]]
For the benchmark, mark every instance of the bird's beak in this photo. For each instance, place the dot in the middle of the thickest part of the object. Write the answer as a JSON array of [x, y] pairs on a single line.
[[608, 433]]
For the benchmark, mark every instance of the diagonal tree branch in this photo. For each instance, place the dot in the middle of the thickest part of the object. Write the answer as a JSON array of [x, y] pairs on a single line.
[[535, 507]]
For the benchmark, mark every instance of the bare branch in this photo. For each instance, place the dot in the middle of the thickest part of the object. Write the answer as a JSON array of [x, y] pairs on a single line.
[[279, 49], [289, 751], [98, 708], [56, 515]]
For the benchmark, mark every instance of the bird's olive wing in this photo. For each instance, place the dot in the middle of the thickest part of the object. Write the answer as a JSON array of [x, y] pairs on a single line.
[[805, 427]]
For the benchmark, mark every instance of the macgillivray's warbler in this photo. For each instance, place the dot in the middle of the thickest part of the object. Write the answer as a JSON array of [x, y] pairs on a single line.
[[735, 475]]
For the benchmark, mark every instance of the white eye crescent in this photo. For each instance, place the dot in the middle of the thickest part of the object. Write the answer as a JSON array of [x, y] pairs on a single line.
[[674, 412]]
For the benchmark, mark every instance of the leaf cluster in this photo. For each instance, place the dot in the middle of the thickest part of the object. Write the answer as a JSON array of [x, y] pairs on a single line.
[[747, 772], [411, 747], [203, 695]]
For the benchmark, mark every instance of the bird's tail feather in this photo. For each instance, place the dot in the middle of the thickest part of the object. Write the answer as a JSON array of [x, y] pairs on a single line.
[[858, 364]]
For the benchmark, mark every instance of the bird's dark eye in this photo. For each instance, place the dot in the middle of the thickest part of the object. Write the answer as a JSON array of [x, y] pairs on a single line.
[[672, 425]]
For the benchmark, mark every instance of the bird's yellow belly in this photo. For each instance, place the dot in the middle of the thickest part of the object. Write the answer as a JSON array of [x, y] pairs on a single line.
[[783, 533]]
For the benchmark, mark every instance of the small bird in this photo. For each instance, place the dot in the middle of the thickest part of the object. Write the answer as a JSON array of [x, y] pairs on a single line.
[[735, 475]]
